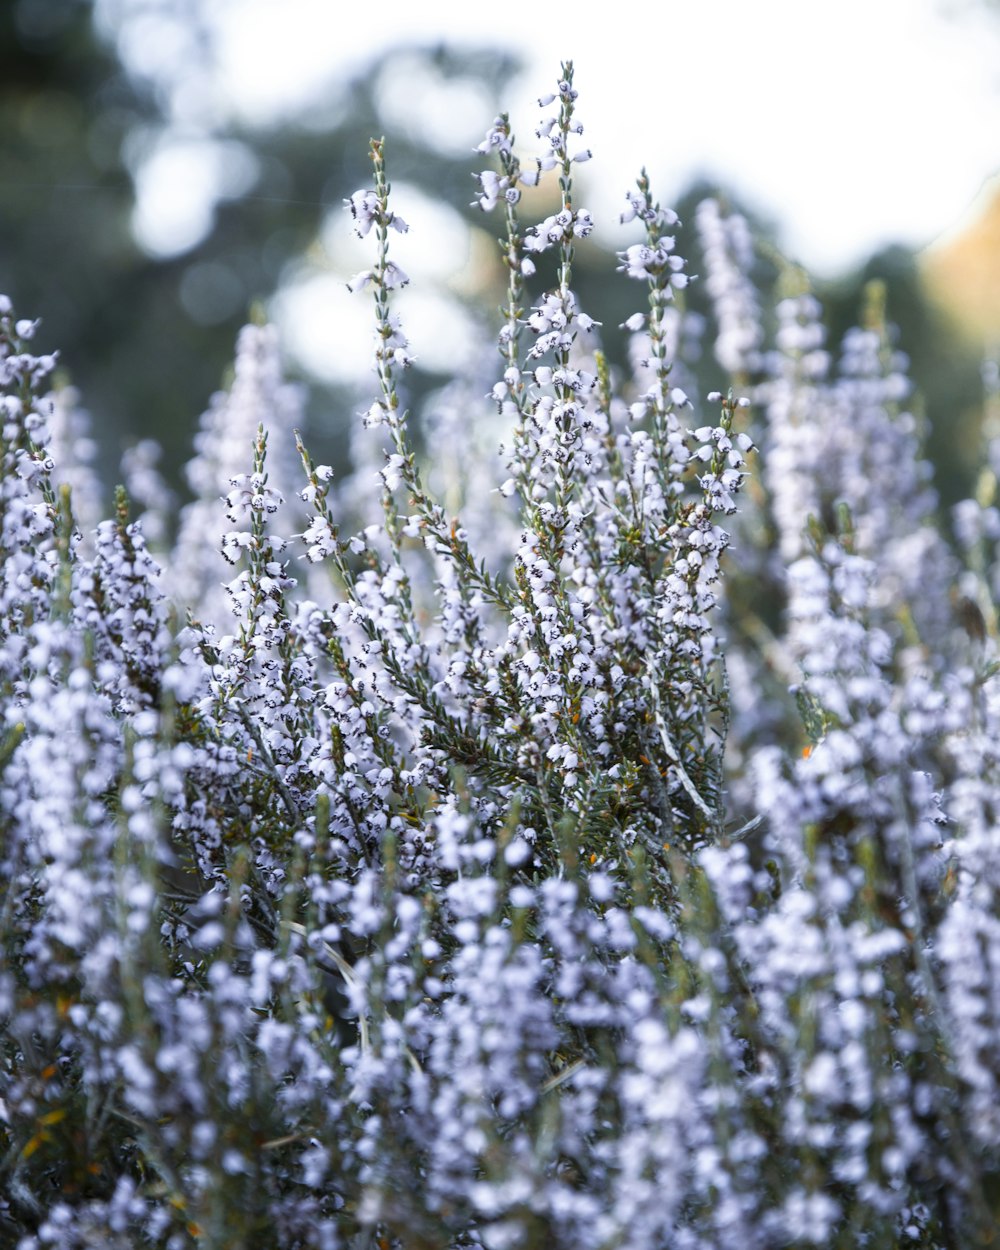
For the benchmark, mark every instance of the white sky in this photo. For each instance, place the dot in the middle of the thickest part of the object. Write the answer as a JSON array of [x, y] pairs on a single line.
[[852, 122]]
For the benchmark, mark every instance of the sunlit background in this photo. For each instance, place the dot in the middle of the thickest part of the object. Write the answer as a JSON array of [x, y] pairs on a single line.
[[193, 155], [853, 125]]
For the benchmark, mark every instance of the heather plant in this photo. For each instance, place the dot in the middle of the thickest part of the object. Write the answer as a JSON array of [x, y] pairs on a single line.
[[493, 859]]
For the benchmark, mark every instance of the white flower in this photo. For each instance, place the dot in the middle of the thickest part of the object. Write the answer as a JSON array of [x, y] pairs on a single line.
[[360, 281], [497, 138], [363, 206], [492, 186], [394, 276], [375, 416], [392, 474], [583, 224]]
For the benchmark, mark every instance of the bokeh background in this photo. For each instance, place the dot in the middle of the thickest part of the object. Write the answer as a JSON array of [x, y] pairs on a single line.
[[168, 166]]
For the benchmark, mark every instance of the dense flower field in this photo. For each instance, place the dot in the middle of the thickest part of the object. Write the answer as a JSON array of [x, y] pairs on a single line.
[[590, 847]]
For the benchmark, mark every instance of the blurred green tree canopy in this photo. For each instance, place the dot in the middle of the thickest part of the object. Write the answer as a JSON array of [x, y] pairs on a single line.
[[148, 339]]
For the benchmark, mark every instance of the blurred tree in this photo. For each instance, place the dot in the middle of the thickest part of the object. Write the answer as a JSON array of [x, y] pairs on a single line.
[[66, 251], [148, 339]]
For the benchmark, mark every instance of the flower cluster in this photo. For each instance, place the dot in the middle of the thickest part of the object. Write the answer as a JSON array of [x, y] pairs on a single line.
[[539, 859]]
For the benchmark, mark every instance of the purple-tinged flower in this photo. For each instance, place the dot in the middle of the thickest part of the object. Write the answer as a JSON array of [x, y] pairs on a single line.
[[498, 138], [394, 276], [360, 281], [363, 206], [365, 209], [492, 186]]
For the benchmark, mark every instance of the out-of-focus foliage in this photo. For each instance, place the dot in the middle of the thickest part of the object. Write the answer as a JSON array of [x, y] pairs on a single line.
[[66, 108], [146, 339]]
